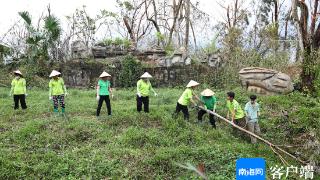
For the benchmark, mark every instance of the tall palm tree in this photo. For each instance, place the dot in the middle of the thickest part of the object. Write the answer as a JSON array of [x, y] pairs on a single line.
[[41, 41]]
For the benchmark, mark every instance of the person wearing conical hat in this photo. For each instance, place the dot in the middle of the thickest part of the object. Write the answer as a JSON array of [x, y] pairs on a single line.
[[143, 91], [209, 101], [186, 98], [103, 92], [57, 91], [19, 90]]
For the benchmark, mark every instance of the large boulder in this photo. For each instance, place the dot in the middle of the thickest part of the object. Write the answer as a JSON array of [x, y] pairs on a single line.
[[79, 49], [265, 81]]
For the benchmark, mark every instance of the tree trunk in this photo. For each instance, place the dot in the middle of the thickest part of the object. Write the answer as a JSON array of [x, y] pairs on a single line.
[[307, 41], [314, 17], [276, 11], [186, 40], [308, 74], [176, 9], [235, 13], [276, 17], [130, 31], [194, 36], [294, 14], [285, 46]]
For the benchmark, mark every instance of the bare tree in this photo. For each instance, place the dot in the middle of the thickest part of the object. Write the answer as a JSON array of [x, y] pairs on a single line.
[[134, 18], [84, 27], [174, 20]]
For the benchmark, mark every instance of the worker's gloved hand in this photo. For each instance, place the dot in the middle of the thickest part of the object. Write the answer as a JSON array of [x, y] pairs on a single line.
[[50, 98], [66, 94], [10, 94], [139, 95], [155, 94], [25, 95], [112, 96], [98, 97]]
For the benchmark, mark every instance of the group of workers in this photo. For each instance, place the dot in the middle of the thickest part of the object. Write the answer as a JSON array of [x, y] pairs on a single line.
[[58, 91]]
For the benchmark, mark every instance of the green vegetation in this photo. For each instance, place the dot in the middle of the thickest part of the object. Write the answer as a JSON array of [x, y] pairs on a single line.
[[36, 145], [130, 71], [126, 43]]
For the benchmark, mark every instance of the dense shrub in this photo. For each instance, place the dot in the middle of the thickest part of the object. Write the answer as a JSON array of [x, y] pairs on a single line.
[[130, 72]]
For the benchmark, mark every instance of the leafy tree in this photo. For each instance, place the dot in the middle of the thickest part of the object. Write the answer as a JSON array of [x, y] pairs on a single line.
[[42, 41], [130, 72]]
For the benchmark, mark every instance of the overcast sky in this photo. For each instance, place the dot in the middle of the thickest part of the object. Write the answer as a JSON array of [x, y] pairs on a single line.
[[9, 9]]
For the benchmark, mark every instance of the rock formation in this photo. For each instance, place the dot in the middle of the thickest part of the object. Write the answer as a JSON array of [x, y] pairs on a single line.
[[265, 81]]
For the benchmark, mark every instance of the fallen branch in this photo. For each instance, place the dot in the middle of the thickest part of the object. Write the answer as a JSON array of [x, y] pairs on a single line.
[[281, 158], [256, 136], [289, 146]]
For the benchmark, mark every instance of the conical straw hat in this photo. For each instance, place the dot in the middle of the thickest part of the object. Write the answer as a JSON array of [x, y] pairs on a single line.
[[192, 83], [207, 92], [17, 72], [105, 74], [54, 73], [146, 75]]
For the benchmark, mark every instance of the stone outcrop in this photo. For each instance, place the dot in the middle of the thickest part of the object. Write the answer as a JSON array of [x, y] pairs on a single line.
[[79, 50], [85, 73], [265, 81], [155, 56]]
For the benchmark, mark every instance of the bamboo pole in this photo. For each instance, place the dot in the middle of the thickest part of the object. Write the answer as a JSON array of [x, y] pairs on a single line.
[[3, 85], [254, 135]]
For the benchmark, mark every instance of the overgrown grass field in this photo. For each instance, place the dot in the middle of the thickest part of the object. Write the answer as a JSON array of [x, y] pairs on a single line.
[[129, 145]]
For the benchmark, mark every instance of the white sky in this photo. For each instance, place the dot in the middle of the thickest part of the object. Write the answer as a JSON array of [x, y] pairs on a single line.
[[9, 9]]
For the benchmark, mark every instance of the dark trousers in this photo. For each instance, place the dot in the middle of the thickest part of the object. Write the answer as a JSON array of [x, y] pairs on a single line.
[[184, 110], [22, 99], [107, 100], [145, 101], [211, 117], [58, 99]]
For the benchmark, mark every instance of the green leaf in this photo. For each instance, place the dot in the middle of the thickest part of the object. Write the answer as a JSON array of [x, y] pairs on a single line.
[[52, 27], [26, 17]]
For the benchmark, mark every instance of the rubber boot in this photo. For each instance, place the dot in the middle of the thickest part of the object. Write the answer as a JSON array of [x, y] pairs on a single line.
[[62, 114], [55, 112]]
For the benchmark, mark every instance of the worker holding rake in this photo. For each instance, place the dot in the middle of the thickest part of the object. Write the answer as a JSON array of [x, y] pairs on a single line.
[[185, 99], [57, 92], [143, 91], [209, 101], [235, 114]]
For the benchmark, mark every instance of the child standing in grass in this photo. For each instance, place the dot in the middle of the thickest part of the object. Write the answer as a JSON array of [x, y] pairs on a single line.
[[143, 91], [209, 101], [236, 112], [57, 91], [19, 90], [103, 92], [186, 98], [252, 110]]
